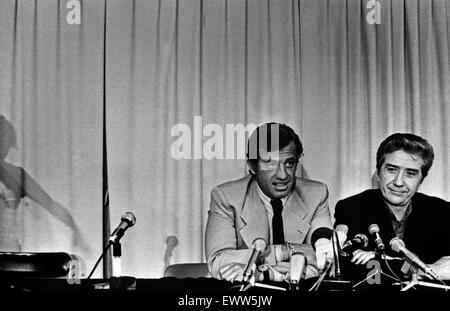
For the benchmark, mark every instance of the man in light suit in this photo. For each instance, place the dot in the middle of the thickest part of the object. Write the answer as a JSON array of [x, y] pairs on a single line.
[[271, 203]]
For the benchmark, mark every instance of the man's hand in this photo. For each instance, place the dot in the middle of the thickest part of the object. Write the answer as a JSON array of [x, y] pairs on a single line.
[[361, 257], [324, 252], [440, 267], [232, 272]]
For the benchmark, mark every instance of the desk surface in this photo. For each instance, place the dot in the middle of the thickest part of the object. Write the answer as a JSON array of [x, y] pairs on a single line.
[[173, 284]]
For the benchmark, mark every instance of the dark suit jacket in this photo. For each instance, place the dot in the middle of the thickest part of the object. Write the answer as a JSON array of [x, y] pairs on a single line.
[[427, 228], [237, 217]]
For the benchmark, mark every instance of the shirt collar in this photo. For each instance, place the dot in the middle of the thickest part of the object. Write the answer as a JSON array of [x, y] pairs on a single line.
[[407, 212], [266, 200]]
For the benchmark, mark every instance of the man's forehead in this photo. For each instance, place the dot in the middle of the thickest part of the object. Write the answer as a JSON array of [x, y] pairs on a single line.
[[404, 159], [284, 153]]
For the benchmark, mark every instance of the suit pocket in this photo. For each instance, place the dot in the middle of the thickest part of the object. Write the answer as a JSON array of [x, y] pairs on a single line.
[[300, 233]]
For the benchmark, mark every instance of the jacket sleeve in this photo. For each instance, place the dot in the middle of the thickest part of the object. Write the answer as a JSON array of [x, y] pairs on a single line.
[[322, 216], [444, 220], [220, 236], [340, 214]]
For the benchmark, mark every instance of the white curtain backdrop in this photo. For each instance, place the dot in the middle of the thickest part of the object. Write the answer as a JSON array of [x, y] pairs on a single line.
[[51, 86], [317, 65]]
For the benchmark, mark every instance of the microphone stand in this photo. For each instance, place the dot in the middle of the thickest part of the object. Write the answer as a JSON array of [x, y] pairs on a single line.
[[337, 279], [415, 279], [252, 283], [336, 252], [335, 265], [116, 260], [116, 266], [379, 256], [294, 286], [245, 287], [117, 281]]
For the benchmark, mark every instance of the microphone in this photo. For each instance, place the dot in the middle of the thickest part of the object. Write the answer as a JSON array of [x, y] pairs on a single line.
[[398, 246], [338, 238], [358, 242], [258, 246], [374, 230], [127, 220], [341, 231], [297, 265]]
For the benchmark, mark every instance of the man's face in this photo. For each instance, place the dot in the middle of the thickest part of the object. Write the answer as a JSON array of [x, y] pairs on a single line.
[[276, 171], [400, 177]]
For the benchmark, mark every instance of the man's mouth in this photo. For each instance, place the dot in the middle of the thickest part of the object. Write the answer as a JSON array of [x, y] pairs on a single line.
[[397, 192], [281, 186]]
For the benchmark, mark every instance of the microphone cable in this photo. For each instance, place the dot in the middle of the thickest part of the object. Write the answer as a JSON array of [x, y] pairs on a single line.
[[99, 259], [392, 271], [400, 281], [319, 281], [336, 265]]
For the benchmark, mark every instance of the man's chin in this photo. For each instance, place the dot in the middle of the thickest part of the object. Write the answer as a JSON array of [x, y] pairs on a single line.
[[277, 194], [396, 202]]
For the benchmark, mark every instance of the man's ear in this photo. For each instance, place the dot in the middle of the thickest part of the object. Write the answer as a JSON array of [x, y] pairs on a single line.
[[251, 168]]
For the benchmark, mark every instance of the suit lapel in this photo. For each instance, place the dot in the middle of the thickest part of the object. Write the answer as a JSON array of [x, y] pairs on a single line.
[[254, 216], [294, 212], [417, 239]]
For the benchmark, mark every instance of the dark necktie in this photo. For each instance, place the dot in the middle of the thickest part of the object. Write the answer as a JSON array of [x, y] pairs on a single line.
[[277, 222]]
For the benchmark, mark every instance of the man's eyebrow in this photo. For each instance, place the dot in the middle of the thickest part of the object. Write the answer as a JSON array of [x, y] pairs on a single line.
[[291, 158], [392, 165], [412, 169]]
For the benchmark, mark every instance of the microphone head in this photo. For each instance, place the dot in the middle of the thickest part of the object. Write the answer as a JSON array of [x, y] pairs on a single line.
[[297, 264], [259, 244], [373, 228], [396, 244], [363, 239], [342, 228], [129, 218]]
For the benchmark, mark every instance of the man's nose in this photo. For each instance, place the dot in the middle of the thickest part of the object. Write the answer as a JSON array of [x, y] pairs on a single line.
[[398, 181], [281, 171]]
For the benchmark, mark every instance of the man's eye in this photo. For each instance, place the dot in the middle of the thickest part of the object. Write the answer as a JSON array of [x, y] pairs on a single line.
[[411, 173], [391, 169], [289, 164]]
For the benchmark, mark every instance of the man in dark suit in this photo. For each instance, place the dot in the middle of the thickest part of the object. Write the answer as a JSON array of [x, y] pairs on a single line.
[[271, 203], [421, 221]]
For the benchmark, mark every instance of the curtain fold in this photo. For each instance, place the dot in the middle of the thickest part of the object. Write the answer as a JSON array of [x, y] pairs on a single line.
[[51, 94]]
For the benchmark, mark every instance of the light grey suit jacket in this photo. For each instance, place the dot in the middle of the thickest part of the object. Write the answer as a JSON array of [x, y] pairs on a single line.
[[237, 217]]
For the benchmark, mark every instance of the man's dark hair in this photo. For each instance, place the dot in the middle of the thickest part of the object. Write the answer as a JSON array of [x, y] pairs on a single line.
[[265, 136], [409, 143]]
